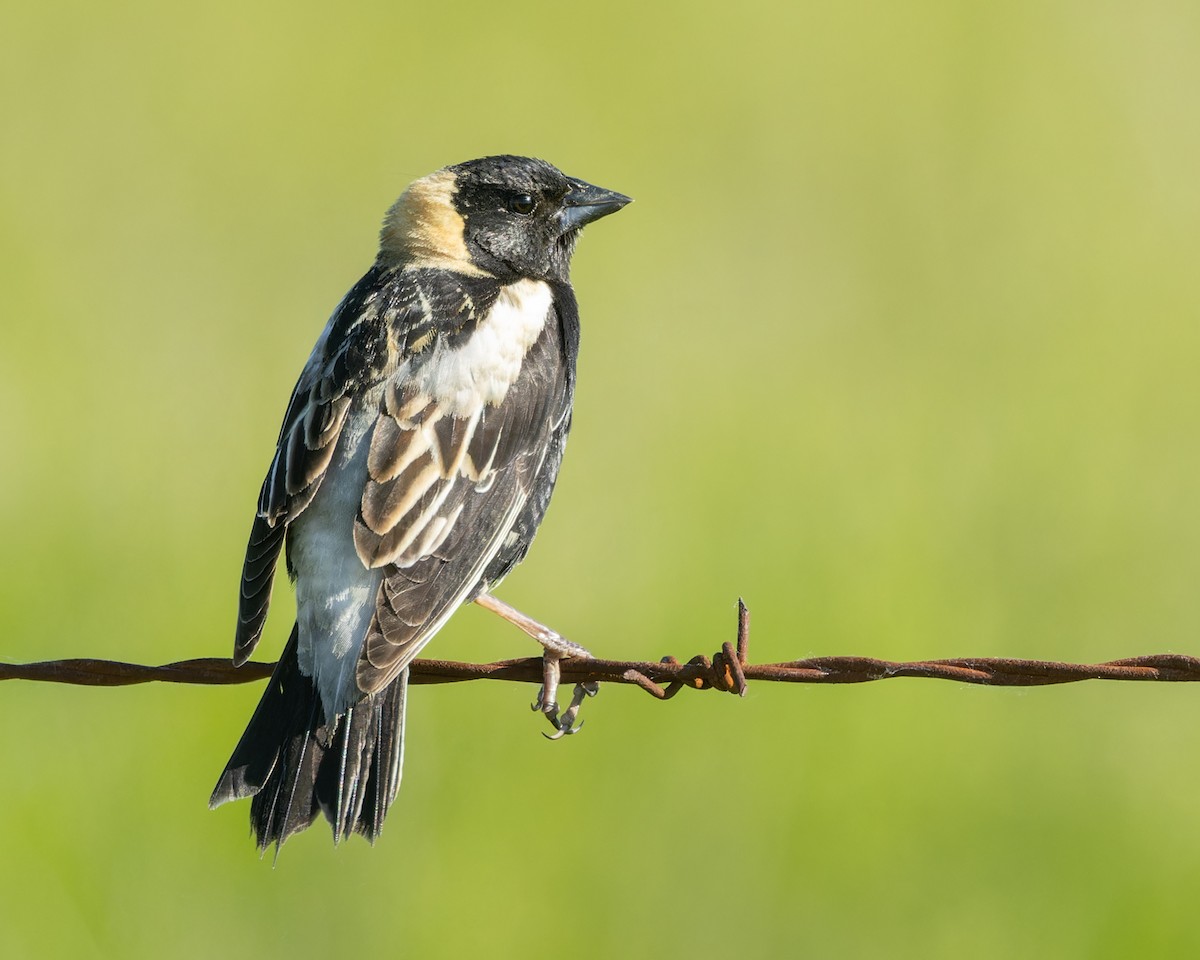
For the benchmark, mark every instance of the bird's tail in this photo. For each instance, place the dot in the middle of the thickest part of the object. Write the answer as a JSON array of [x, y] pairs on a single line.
[[295, 764]]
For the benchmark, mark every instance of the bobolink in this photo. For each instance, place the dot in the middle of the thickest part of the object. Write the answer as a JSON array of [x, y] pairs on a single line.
[[415, 462]]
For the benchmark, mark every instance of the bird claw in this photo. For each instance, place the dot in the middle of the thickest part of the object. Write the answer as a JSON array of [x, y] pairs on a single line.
[[563, 732], [564, 725]]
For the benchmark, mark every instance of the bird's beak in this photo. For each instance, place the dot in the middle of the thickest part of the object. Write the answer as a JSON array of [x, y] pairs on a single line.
[[586, 203]]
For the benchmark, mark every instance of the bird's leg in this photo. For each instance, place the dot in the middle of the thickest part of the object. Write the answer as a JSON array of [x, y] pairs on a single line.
[[556, 648]]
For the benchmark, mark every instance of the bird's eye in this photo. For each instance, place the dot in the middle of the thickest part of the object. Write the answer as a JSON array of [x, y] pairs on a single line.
[[523, 204]]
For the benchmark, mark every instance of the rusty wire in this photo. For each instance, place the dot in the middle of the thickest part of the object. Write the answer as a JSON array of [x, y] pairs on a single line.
[[727, 670]]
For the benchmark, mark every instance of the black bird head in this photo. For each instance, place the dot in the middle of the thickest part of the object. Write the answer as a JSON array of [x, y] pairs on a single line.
[[510, 217]]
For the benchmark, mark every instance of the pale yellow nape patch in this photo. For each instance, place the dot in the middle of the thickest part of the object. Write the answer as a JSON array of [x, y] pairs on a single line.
[[424, 228]]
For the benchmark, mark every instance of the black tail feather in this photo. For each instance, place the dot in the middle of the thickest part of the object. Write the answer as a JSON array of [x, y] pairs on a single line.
[[295, 764]]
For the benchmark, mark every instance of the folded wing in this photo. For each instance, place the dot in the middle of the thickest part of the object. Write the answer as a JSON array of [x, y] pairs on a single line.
[[443, 493]]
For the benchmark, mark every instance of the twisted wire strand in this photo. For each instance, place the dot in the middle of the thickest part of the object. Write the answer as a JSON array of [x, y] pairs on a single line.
[[727, 670]]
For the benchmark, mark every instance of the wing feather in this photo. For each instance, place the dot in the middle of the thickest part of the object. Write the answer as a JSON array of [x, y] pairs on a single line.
[[339, 369], [436, 542], [254, 598]]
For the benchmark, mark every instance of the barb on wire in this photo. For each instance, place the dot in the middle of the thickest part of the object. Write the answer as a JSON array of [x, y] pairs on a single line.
[[728, 670]]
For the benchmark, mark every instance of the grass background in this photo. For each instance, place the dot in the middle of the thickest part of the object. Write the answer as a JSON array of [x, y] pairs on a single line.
[[899, 342]]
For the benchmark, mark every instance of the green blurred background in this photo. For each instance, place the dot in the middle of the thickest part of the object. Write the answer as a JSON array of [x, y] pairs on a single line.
[[899, 342]]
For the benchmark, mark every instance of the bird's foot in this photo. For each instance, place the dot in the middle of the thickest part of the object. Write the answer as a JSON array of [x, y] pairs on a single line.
[[557, 648], [564, 724]]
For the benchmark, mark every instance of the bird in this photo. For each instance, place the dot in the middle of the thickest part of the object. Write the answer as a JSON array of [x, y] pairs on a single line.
[[416, 459]]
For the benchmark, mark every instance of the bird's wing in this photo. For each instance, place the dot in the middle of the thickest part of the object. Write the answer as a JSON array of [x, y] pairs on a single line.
[[310, 432], [351, 355], [447, 481]]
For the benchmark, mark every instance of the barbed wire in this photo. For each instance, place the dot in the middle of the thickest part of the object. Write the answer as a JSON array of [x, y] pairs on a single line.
[[727, 670]]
